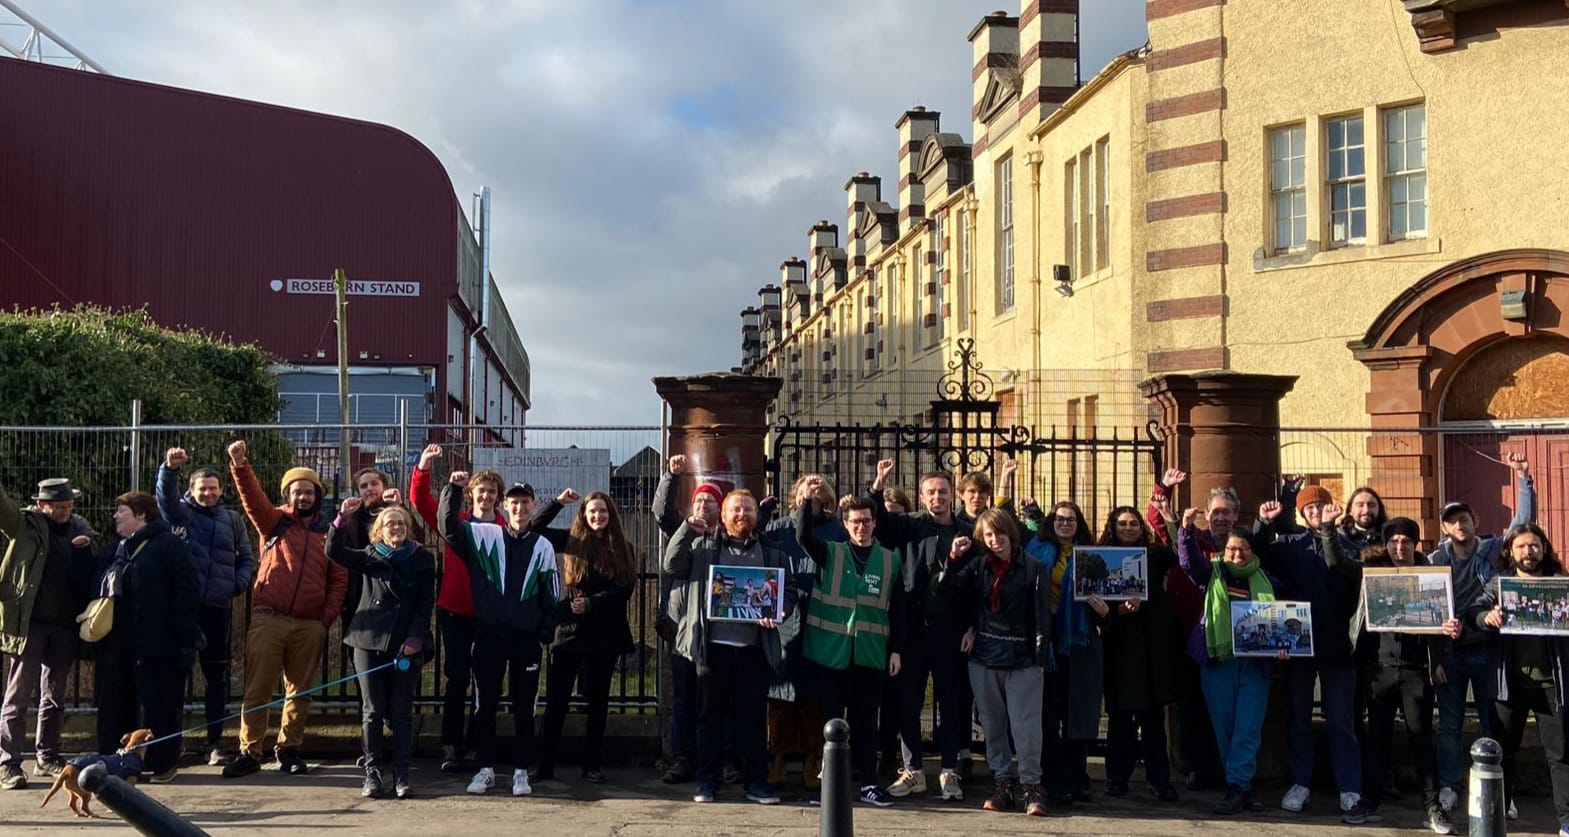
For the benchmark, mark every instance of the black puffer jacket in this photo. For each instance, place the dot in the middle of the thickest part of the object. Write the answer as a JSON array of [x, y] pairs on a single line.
[[1018, 633]]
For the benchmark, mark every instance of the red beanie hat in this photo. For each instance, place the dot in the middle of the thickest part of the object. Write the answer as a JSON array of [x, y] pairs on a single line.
[[711, 490]]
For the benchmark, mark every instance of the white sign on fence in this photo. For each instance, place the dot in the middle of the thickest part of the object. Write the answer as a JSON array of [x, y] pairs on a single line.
[[549, 471]]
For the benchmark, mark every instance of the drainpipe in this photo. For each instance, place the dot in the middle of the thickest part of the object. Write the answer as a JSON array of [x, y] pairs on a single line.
[[1033, 160]]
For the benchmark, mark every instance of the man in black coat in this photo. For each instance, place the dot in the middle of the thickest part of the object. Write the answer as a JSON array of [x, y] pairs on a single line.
[[142, 664]]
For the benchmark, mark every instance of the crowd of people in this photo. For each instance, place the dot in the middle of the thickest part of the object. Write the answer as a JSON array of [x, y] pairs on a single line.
[[951, 590]]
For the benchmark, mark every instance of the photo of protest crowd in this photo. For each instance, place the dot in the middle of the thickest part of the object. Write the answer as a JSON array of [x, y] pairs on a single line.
[[1535, 605]]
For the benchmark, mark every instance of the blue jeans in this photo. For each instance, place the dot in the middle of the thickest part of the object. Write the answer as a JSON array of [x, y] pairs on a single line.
[[1237, 692], [683, 708], [1338, 689], [1461, 670]]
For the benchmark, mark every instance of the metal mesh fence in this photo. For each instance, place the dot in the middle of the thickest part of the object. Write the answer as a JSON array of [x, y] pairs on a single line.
[[625, 462], [1417, 471]]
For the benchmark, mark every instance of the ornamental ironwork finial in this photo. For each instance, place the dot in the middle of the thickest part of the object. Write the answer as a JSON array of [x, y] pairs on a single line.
[[965, 381]]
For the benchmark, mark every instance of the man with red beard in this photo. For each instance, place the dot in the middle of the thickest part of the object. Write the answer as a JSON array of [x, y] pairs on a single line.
[[734, 660]]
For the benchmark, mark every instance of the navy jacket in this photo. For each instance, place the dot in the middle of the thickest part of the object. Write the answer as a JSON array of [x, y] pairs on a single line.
[[224, 564]]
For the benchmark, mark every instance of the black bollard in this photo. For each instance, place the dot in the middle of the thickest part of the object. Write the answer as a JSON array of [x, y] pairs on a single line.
[[1487, 790], [140, 811], [836, 819]]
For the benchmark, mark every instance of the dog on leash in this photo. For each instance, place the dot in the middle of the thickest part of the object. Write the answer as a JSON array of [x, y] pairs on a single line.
[[127, 764]]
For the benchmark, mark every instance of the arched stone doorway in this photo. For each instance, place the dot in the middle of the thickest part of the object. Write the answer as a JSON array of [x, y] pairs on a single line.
[[1447, 354], [1511, 397]]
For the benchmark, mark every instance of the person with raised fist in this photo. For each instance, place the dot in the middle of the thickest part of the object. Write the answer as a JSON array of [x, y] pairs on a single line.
[[706, 497], [513, 590], [296, 596], [391, 625], [225, 564]]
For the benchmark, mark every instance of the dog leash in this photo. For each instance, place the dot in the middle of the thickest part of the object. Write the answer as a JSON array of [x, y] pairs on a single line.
[[401, 663]]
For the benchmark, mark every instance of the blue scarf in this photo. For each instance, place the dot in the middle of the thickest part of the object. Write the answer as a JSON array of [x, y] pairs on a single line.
[[1071, 626], [1073, 618]]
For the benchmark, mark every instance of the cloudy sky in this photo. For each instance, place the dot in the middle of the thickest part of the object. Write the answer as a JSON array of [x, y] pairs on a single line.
[[651, 161]]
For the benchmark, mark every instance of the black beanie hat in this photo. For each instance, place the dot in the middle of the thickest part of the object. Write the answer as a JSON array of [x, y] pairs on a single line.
[[1402, 526]]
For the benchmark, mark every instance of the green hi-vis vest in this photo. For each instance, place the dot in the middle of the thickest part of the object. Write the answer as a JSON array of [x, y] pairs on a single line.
[[850, 610]]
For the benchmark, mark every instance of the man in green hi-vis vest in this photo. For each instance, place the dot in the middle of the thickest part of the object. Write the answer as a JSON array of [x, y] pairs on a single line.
[[854, 629]]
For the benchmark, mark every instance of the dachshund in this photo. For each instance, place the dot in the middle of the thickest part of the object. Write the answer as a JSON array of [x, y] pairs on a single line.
[[127, 764]]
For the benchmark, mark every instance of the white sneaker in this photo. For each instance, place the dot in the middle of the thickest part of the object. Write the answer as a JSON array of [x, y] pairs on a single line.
[[483, 781], [909, 782], [1514, 813], [520, 786], [1296, 799], [948, 783], [1447, 799], [1349, 800]]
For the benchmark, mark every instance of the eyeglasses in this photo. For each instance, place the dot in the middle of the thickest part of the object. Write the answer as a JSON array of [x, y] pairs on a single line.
[[1059, 519]]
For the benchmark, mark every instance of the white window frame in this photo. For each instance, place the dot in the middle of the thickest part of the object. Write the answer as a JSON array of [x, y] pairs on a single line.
[[1103, 191], [935, 333], [1005, 265], [1070, 214], [1287, 151], [1402, 148], [1349, 180], [965, 274]]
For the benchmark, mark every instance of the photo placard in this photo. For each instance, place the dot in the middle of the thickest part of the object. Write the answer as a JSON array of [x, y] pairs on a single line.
[[1408, 600], [1534, 606], [1264, 629], [1115, 573], [745, 594]]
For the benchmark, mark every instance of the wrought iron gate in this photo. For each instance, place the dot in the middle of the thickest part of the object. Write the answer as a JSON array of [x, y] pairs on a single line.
[[1099, 468]]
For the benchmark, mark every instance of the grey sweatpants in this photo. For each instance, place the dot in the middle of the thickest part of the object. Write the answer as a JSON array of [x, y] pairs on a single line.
[[1009, 702]]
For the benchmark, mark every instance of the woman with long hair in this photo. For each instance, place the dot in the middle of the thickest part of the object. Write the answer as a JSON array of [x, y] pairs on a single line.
[[1530, 669], [1074, 681], [1141, 639], [391, 623], [598, 576]]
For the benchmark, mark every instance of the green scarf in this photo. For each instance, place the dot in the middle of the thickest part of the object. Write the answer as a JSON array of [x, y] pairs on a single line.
[[1217, 603]]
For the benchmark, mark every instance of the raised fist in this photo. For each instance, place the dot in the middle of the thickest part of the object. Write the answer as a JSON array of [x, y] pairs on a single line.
[[1269, 510], [392, 497], [459, 478], [960, 546], [1190, 517], [1330, 514], [1519, 464], [176, 458], [430, 454], [349, 506], [1009, 466], [237, 452], [1173, 477], [884, 469], [678, 464], [568, 497], [697, 524]]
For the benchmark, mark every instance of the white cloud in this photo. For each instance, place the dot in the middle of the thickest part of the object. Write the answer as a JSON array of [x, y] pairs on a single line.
[[651, 162]]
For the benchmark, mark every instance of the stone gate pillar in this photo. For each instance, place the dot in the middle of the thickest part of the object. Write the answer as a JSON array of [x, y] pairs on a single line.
[[1223, 428], [719, 421]]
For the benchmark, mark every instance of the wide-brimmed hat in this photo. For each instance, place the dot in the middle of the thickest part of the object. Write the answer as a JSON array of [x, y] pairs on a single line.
[[56, 490]]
